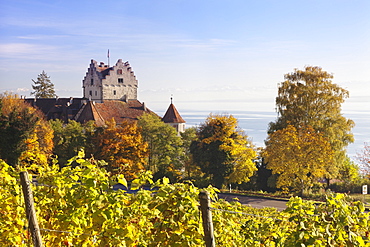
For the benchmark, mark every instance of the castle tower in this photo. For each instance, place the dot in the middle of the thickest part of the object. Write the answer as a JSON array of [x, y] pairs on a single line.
[[102, 82], [173, 118]]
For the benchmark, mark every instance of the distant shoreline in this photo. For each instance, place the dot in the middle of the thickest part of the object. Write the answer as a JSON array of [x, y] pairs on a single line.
[[255, 124]]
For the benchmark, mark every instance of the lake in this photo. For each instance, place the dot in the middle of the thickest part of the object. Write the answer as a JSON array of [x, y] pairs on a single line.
[[255, 125]]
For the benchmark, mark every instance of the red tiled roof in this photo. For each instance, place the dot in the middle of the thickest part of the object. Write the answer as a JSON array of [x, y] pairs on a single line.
[[172, 115], [76, 109], [89, 112], [105, 71], [120, 110]]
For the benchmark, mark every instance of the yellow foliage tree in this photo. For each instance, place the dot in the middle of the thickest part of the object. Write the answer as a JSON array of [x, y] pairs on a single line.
[[26, 137], [309, 98], [39, 146], [300, 156], [122, 147], [223, 151]]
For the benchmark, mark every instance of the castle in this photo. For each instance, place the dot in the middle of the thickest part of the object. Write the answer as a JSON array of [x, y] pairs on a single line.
[[108, 92], [110, 83]]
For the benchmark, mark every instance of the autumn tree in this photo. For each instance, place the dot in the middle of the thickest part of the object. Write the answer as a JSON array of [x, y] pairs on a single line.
[[349, 172], [38, 146], [309, 98], [26, 137], [300, 156], [122, 147], [165, 147], [43, 87], [223, 151]]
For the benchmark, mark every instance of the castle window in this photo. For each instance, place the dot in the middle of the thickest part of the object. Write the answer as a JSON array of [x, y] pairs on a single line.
[[120, 80], [90, 93], [119, 71], [92, 81], [96, 93], [114, 92]]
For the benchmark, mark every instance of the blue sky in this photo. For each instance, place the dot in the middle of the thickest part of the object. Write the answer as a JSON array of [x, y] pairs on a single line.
[[213, 56]]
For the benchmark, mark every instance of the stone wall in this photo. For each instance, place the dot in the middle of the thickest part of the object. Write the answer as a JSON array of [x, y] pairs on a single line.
[[92, 83], [120, 83], [110, 83]]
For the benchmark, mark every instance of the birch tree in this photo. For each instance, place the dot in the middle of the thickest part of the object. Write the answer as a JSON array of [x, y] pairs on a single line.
[[309, 98], [300, 156]]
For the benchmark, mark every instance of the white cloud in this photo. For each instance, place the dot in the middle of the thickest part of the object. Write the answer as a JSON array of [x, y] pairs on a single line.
[[27, 51], [22, 90], [19, 91]]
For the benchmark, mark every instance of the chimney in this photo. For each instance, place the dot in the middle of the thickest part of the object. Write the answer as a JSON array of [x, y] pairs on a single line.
[[144, 106]]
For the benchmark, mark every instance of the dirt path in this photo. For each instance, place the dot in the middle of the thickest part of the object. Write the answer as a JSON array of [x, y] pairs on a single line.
[[255, 201]]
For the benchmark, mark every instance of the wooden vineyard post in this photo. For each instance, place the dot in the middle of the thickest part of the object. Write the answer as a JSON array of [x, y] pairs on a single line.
[[205, 208], [30, 210]]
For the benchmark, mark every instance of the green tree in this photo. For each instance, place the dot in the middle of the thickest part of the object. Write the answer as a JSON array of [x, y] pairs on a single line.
[[300, 156], [349, 172], [43, 87], [309, 98], [223, 151], [70, 138], [191, 170], [165, 147]]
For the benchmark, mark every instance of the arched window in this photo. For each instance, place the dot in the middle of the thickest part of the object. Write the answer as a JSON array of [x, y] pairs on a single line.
[[119, 71]]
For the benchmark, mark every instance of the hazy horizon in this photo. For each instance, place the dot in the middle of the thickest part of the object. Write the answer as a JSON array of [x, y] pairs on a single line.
[[212, 56]]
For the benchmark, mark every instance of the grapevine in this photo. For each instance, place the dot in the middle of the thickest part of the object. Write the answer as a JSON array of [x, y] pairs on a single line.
[[76, 206]]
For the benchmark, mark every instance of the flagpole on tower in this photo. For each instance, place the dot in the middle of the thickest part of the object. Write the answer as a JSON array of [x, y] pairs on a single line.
[[108, 58]]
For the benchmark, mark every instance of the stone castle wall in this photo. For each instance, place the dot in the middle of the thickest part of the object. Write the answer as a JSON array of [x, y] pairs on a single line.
[[110, 83]]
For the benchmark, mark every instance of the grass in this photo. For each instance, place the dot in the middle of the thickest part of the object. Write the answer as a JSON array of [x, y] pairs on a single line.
[[361, 197]]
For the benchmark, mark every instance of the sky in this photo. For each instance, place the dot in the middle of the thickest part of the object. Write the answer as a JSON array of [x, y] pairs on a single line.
[[221, 57]]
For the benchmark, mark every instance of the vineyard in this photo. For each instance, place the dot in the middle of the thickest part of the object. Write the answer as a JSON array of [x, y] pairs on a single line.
[[76, 206]]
